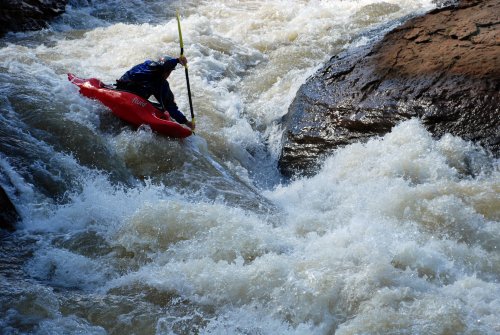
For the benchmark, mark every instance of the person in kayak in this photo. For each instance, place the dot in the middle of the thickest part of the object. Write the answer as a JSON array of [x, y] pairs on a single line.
[[150, 78]]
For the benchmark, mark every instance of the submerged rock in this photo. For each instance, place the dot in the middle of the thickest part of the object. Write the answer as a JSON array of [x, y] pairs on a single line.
[[20, 15], [443, 67], [8, 213]]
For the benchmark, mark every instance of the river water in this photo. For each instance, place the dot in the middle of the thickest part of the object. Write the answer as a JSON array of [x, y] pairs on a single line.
[[126, 232]]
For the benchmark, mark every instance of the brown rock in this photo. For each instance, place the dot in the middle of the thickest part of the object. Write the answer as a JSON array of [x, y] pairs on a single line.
[[443, 67], [20, 15]]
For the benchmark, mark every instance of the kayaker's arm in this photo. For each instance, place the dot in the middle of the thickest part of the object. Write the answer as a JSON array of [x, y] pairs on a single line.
[[180, 118], [168, 103], [177, 115]]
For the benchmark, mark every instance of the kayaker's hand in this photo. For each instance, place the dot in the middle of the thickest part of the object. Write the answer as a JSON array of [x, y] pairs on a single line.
[[183, 60], [190, 125]]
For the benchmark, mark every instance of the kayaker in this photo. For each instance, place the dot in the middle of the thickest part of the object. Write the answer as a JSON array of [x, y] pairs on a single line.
[[150, 78]]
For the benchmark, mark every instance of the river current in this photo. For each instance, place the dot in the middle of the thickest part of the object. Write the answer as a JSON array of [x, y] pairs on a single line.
[[124, 231]]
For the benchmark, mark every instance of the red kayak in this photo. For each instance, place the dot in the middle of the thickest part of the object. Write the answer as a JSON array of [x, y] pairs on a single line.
[[130, 107]]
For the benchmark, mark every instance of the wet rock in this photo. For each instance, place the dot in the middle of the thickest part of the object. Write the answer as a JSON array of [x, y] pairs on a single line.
[[8, 213], [443, 67], [17, 15]]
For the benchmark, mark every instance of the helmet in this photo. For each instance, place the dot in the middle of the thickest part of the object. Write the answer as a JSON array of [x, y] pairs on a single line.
[[168, 63]]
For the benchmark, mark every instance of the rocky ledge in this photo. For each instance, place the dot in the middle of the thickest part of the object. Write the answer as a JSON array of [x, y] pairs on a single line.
[[443, 67], [17, 15]]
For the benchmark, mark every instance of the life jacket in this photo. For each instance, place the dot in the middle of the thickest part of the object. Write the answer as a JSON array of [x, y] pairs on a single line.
[[147, 75]]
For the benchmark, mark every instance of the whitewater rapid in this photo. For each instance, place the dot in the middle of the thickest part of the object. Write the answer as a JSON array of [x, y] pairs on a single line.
[[127, 232]]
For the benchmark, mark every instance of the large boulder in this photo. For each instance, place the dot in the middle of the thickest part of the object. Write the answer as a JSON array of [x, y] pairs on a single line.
[[8, 213], [443, 67], [20, 15]]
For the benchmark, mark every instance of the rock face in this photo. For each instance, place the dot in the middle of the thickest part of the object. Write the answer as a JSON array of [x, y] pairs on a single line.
[[8, 213], [443, 67], [17, 15]]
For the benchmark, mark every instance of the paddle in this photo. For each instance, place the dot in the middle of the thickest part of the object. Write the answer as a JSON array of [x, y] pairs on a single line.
[[185, 69]]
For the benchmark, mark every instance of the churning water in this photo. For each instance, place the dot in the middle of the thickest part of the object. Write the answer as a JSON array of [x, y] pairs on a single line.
[[126, 232]]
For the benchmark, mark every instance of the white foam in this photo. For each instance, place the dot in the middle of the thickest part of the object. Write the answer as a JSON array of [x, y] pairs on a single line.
[[355, 250]]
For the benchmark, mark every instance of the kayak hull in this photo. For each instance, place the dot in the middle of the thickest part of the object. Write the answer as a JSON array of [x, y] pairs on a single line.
[[129, 107]]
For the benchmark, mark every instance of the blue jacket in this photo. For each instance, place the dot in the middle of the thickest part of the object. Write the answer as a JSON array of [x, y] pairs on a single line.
[[146, 79]]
